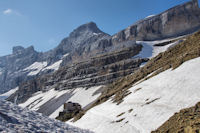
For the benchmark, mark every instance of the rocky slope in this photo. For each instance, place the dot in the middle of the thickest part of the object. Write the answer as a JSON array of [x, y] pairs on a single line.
[[143, 101], [187, 121]]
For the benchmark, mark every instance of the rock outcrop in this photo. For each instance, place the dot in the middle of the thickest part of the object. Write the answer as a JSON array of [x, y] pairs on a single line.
[[70, 110], [180, 20]]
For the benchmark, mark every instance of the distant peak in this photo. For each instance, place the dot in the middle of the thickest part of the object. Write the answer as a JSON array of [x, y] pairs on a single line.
[[88, 27], [19, 49]]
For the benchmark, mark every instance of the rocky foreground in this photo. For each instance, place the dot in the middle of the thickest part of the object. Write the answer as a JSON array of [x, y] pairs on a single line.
[[14, 119]]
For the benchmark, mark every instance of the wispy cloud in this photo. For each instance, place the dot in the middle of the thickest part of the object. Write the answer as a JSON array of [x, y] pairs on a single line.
[[11, 11], [8, 11]]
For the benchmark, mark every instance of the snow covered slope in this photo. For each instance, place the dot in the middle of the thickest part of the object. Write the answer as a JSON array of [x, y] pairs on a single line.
[[150, 104], [40, 100], [14, 119]]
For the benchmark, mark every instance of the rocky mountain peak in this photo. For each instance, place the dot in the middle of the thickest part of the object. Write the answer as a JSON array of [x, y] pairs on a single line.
[[17, 49], [20, 49], [90, 27]]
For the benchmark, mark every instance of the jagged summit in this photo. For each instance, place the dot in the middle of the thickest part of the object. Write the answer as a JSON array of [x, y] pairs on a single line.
[[88, 27], [20, 49]]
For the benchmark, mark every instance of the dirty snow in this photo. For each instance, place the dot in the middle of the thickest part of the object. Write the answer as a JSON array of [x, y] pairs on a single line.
[[153, 102], [14, 119], [35, 68], [7, 94]]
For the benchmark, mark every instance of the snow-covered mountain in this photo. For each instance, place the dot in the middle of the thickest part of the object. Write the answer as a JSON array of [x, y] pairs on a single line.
[[133, 81], [14, 119]]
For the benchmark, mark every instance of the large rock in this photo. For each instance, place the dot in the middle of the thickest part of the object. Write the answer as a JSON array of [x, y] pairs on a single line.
[[70, 110]]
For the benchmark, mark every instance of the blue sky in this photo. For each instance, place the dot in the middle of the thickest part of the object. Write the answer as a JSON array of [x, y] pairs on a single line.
[[44, 23]]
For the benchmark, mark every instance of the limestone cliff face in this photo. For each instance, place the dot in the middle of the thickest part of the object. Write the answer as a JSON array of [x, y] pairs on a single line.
[[99, 70], [179, 20], [95, 57]]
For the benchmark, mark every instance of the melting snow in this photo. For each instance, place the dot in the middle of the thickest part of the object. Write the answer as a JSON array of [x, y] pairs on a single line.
[[152, 102]]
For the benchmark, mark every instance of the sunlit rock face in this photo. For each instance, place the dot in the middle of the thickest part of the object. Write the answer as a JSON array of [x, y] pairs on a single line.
[[180, 20]]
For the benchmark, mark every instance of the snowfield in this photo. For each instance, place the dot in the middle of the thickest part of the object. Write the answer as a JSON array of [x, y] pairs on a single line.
[[14, 119], [35, 68], [150, 51], [56, 99], [54, 66], [151, 103]]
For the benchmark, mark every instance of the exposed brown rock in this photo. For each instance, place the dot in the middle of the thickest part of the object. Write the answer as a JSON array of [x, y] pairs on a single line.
[[185, 121]]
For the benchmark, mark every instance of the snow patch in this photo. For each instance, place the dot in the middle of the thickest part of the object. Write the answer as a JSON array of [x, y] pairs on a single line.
[[40, 98], [82, 96], [150, 51], [96, 34], [54, 66], [9, 93], [35, 68], [65, 55], [150, 16], [154, 102]]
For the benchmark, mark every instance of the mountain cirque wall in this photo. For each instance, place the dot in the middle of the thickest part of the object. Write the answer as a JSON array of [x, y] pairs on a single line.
[[180, 20], [89, 41], [98, 70]]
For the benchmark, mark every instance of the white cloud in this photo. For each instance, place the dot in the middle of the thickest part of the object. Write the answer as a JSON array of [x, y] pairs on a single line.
[[8, 11], [11, 11]]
